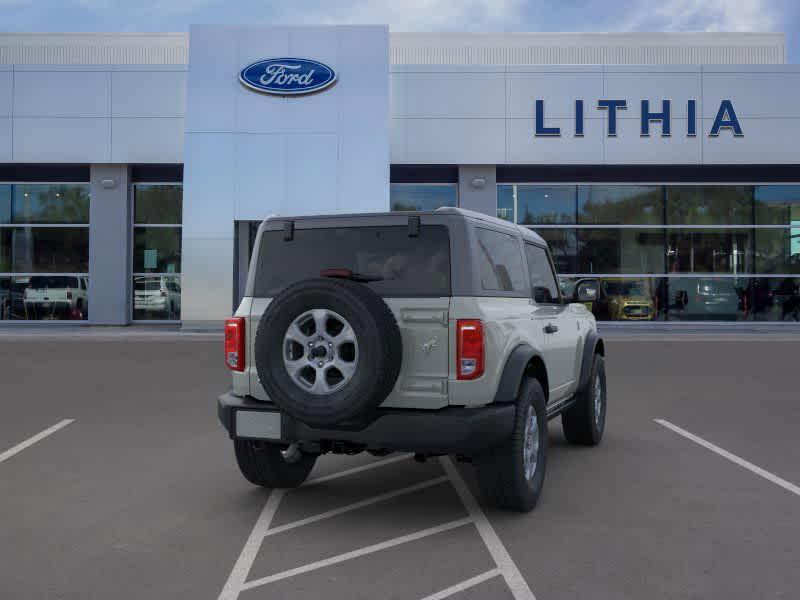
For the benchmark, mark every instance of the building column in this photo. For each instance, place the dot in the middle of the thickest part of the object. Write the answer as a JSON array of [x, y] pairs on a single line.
[[109, 245], [477, 188]]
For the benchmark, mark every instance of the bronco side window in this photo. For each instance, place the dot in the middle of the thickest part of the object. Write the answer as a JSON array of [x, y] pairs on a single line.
[[544, 287], [500, 262]]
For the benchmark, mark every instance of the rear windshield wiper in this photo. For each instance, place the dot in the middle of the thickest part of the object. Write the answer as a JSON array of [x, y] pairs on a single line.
[[348, 274]]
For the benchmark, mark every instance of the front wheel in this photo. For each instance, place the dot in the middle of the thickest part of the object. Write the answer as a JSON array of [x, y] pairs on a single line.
[[269, 465], [512, 475], [584, 422]]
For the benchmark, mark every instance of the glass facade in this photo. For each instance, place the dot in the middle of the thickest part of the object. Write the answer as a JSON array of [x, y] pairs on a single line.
[[671, 252], [44, 251], [157, 251], [422, 196]]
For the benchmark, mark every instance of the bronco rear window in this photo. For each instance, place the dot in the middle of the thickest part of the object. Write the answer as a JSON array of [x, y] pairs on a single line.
[[391, 262]]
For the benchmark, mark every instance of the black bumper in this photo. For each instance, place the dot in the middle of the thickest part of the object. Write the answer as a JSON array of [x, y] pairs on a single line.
[[452, 430]]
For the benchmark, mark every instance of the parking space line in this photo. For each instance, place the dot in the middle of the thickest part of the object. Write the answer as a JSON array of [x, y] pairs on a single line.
[[507, 567], [356, 505], [357, 553], [464, 585], [33, 439], [241, 569], [771, 477], [248, 554], [354, 470]]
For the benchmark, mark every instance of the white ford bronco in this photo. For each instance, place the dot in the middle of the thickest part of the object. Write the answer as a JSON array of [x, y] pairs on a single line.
[[442, 332]]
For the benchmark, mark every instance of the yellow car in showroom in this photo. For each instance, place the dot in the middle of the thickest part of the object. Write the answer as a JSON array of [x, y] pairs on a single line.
[[623, 299]]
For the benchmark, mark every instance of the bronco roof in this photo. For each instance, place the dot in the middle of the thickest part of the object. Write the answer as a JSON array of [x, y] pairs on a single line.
[[527, 233]]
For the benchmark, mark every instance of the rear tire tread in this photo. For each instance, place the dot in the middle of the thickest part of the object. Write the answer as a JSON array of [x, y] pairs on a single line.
[[266, 467]]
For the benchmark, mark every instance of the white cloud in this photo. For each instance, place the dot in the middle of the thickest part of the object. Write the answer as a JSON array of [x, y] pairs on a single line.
[[413, 15], [705, 15]]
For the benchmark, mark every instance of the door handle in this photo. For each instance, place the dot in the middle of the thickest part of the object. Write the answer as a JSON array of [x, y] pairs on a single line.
[[550, 328]]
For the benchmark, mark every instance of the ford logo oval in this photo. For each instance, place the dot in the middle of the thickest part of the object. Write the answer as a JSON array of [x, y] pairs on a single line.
[[287, 76]]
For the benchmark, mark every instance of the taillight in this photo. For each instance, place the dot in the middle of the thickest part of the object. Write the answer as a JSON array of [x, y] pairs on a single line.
[[469, 349], [234, 343]]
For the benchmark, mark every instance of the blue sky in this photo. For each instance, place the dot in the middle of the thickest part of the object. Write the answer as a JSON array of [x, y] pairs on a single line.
[[414, 15]]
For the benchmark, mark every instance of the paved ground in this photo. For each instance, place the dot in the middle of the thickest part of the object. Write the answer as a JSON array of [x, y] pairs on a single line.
[[139, 496]]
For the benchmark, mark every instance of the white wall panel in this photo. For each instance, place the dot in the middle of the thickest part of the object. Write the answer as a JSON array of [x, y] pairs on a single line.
[[352, 177], [67, 93], [210, 89], [78, 140], [207, 265], [264, 154], [629, 148], [5, 139], [263, 113], [523, 147], [558, 90], [6, 91], [311, 174], [455, 141], [397, 140], [209, 180], [364, 69], [148, 93], [765, 141], [147, 140], [455, 95], [634, 87], [753, 94]]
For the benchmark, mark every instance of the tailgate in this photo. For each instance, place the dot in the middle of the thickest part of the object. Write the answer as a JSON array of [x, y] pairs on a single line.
[[423, 324]]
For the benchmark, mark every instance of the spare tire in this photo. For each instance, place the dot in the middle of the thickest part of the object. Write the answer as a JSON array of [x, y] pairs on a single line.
[[328, 351]]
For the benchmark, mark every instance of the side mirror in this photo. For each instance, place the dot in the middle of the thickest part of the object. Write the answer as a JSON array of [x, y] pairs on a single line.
[[586, 290]]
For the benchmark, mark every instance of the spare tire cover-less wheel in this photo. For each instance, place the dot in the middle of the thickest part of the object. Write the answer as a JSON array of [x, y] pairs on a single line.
[[328, 351]]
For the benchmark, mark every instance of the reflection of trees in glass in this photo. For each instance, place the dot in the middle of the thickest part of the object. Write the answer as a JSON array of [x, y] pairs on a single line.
[[563, 247], [710, 251], [166, 241], [777, 204], [777, 250], [43, 203], [405, 196], [620, 204], [709, 205], [158, 204], [620, 251], [537, 204], [44, 250]]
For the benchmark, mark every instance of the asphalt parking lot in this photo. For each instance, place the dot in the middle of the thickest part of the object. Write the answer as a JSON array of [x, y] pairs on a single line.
[[134, 492]]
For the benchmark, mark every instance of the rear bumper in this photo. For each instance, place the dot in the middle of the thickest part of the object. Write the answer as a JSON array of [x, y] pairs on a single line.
[[452, 430]]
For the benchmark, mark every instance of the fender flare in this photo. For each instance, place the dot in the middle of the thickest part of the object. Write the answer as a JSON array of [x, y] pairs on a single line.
[[514, 372], [593, 340]]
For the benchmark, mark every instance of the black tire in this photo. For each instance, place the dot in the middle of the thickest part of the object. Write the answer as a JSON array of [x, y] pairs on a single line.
[[380, 351], [581, 423], [262, 464], [501, 471]]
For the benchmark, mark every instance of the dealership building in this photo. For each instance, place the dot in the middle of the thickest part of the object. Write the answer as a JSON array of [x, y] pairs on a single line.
[[135, 168]]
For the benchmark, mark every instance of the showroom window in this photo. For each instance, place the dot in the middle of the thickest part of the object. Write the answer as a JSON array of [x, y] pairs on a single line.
[[157, 213], [44, 251], [678, 252], [422, 196]]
